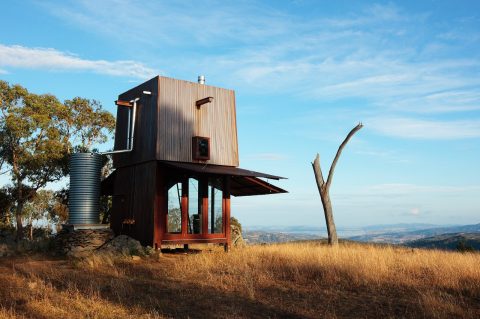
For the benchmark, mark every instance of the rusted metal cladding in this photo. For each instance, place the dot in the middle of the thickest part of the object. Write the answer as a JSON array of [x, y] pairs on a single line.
[[134, 201], [145, 141], [167, 120], [180, 119]]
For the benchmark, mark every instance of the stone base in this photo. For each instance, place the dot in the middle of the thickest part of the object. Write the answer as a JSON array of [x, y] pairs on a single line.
[[76, 242]]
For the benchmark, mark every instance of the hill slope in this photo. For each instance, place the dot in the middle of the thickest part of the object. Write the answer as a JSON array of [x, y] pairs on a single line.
[[448, 241], [403, 236], [271, 281]]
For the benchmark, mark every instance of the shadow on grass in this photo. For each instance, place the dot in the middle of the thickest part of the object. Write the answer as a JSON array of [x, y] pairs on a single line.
[[149, 288], [143, 289]]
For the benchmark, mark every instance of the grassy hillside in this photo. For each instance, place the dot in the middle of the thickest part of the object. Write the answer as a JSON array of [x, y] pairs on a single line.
[[448, 241], [272, 281]]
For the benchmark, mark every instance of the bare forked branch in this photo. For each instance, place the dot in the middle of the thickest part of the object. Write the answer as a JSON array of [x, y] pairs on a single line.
[[337, 156]]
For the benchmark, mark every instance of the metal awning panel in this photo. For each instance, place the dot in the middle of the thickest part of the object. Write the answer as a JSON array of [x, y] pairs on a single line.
[[242, 183], [248, 186], [219, 169]]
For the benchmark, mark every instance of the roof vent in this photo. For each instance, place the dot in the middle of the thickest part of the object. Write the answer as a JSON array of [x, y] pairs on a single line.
[[201, 79]]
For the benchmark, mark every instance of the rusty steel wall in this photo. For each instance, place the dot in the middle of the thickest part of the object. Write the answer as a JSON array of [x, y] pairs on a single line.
[[179, 120]]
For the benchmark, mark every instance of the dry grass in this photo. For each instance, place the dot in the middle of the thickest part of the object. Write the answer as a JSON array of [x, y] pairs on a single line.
[[278, 281]]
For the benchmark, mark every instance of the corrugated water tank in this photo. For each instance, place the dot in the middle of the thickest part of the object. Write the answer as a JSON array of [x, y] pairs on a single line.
[[84, 195]]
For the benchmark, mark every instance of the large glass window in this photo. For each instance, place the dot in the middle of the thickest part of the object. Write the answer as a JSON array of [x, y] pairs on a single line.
[[215, 216], [174, 213], [194, 225]]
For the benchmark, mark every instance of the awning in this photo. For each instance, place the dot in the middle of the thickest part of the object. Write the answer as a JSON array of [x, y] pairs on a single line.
[[243, 182], [248, 186], [219, 169]]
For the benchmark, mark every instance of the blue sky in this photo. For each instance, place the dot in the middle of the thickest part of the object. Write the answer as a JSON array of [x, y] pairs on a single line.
[[305, 73]]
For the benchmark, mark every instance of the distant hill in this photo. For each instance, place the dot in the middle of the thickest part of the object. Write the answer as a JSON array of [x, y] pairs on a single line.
[[264, 237], [404, 236], [390, 234], [448, 241]]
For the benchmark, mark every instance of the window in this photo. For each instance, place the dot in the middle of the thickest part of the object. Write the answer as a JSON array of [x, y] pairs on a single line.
[[174, 212], [215, 216], [194, 225]]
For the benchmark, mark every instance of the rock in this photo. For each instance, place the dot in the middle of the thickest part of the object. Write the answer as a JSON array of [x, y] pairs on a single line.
[[149, 250], [81, 242], [7, 242], [124, 245], [237, 238], [4, 250]]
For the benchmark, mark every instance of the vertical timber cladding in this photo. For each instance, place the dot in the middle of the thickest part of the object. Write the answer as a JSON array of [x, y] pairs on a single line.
[[134, 201], [179, 120], [143, 205], [122, 200]]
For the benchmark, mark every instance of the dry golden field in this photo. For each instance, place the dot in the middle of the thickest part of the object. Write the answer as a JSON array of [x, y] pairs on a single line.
[[304, 280]]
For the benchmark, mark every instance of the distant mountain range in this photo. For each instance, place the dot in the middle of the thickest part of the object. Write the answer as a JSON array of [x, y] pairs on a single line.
[[412, 235], [264, 237], [459, 241], [401, 236]]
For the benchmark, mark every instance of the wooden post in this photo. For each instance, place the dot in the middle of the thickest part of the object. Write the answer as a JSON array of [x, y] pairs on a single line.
[[226, 213], [212, 210], [204, 198], [184, 206], [159, 210]]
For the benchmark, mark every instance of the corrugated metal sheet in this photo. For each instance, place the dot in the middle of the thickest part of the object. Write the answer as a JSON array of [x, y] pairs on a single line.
[[84, 195]]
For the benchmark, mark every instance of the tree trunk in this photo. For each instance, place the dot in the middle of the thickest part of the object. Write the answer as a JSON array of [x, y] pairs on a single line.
[[331, 229], [30, 229], [7, 216], [326, 203], [324, 187], [18, 218]]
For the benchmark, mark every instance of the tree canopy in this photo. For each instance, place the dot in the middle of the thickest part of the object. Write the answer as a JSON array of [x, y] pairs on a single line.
[[37, 135]]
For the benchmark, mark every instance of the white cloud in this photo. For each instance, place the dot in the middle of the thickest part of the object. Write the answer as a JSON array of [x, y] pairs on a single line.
[[17, 56], [172, 23], [415, 211], [393, 59], [422, 129]]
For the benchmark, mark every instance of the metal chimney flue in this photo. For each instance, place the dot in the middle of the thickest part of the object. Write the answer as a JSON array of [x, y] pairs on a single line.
[[201, 79]]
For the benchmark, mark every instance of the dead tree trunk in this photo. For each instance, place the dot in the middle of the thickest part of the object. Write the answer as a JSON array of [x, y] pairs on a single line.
[[324, 187]]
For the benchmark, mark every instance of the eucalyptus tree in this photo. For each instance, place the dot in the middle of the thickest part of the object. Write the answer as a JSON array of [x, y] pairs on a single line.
[[37, 135]]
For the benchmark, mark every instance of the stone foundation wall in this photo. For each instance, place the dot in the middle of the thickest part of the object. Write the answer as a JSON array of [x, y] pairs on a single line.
[[81, 241]]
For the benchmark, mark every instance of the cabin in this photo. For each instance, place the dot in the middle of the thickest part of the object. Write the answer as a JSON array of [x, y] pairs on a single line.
[[176, 164]]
